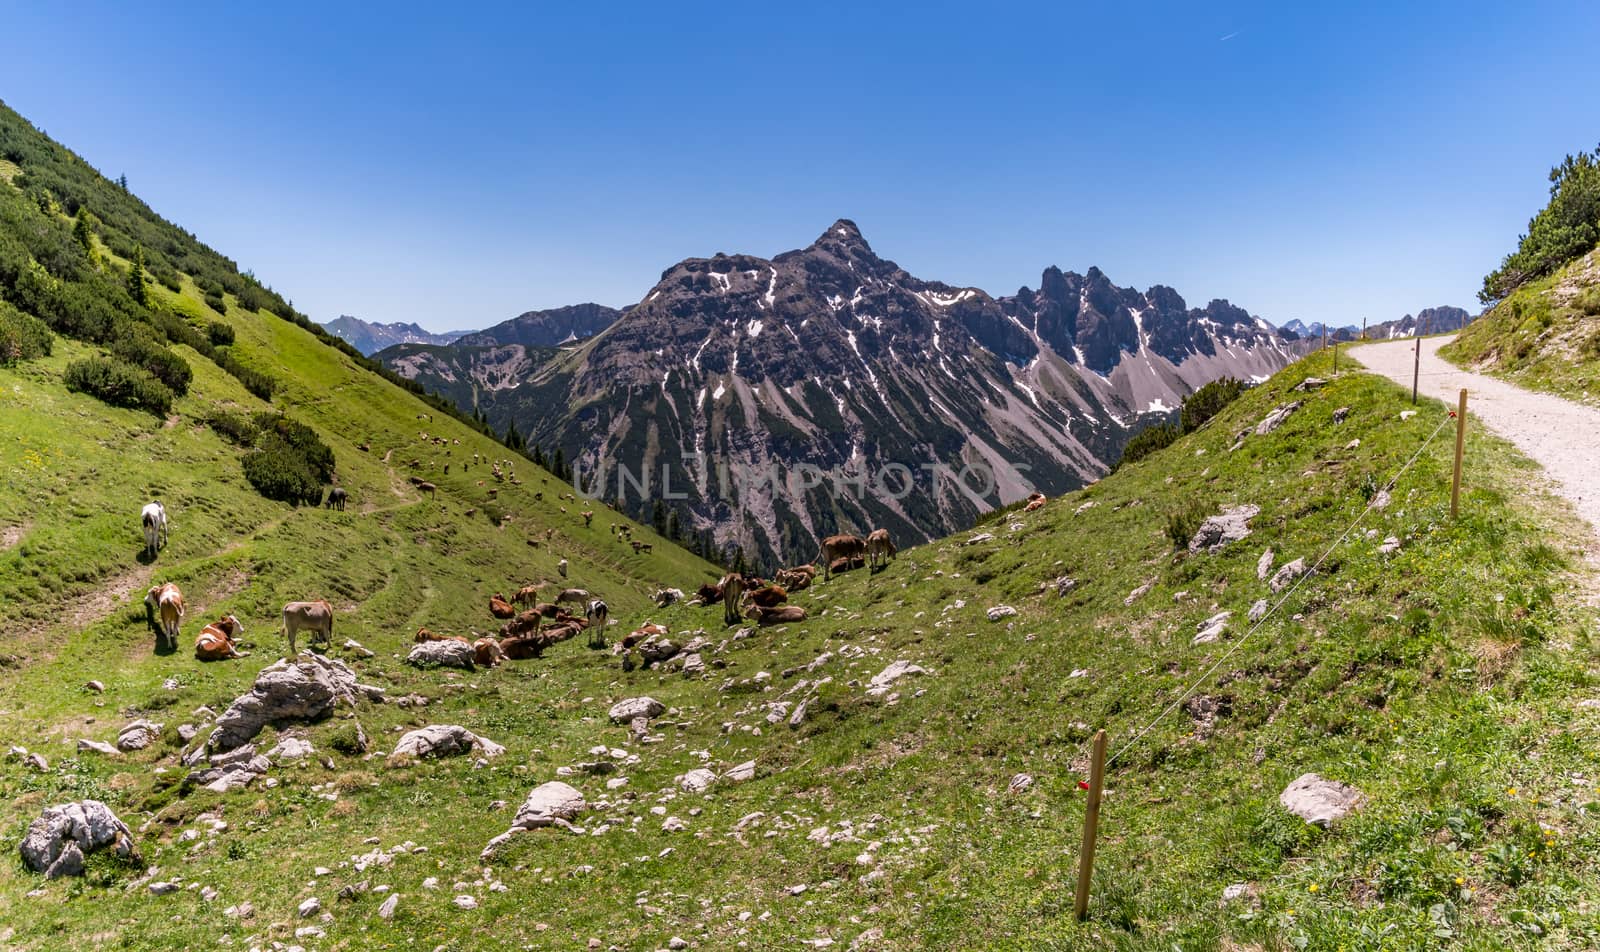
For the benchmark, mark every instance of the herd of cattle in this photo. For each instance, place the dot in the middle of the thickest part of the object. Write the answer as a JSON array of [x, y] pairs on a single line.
[[530, 626]]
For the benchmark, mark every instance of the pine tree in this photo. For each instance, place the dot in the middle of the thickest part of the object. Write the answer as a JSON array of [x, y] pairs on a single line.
[[658, 518], [83, 231], [136, 285], [122, 180], [558, 464]]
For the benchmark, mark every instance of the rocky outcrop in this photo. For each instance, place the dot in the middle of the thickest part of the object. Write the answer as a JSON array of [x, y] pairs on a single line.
[[447, 653], [623, 712], [305, 689], [59, 841], [442, 740], [1218, 531]]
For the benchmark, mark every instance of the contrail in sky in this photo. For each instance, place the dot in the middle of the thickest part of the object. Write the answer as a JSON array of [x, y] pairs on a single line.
[[1228, 37]]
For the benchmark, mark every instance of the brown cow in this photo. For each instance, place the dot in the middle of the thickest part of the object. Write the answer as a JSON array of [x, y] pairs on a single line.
[[732, 586], [521, 648], [215, 641], [588, 517], [639, 634], [526, 596], [767, 596], [315, 617], [486, 653], [781, 615], [1034, 502], [166, 601], [839, 547], [427, 634], [709, 594], [880, 549], [499, 607], [797, 578]]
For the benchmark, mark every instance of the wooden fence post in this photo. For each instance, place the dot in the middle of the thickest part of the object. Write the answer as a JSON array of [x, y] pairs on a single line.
[[1461, 441], [1091, 824]]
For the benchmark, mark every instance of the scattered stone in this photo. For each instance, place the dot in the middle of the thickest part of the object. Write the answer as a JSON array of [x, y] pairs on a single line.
[[1381, 499], [1021, 783], [1212, 628], [1258, 611], [1286, 575], [698, 780], [1001, 611], [1276, 418], [1319, 801], [981, 537], [35, 761], [306, 689], [677, 943], [1065, 584], [624, 712], [1390, 546], [1236, 892], [1230, 526], [1407, 414], [310, 907], [138, 735], [97, 746], [386, 911], [673, 824], [693, 665], [162, 888], [358, 648], [187, 732], [741, 772], [1353, 444], [442, 740], [63, 836], [1341, 414], [1139, 592], [97, 687], [1264, 564], [290, 748], [448, 653], [464, 902], [1309, 384], [885, 679]]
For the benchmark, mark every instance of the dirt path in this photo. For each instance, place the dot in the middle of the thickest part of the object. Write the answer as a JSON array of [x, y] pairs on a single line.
[[1558, 434]]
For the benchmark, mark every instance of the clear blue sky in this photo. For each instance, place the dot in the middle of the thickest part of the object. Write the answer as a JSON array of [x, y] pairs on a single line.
[[455, 166]]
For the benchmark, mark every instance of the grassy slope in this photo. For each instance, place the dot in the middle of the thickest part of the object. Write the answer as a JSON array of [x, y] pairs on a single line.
[[1546, 335], [1444, 681]]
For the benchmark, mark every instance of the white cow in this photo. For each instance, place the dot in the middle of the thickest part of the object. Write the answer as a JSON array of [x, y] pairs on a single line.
[[154, 519]]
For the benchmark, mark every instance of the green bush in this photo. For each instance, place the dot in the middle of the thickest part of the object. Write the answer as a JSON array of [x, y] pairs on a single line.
[[22, 336], [220, 334], [217, 303], [260, 384], [1205, 403], [1183, 523], [137, 348], [290, 463], [1566, 228], [1589, 301], [1147, 441], [236, 428], [119, 383]]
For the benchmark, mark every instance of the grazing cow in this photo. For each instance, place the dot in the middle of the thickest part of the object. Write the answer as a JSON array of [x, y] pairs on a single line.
[[154, 519], [732, 587], [216, 640], [561, 567], [526, 596], [576, 596], [499, 607], [880, 549], [486, 653], [667, 596], [597, 614], [167, 602], [1034, 502], [780, 615], [839, 547], [428, 488], [336, 498], [796, 578], [315, 617], [766, 596], [639, 546], [588, 517], [546, 610]]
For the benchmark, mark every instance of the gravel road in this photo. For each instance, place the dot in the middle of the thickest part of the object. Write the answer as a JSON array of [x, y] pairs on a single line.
[[1560, 435]]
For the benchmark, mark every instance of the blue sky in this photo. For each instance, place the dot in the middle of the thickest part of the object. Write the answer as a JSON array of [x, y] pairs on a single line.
[[456, 166]]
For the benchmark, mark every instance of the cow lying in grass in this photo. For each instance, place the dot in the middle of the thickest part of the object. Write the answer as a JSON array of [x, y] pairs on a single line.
[[216, 640]]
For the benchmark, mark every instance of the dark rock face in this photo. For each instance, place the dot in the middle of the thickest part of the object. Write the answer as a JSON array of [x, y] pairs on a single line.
[[548, 328], [775, 401]]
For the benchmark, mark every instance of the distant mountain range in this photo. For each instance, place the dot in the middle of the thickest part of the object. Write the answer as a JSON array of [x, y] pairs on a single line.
[[770, 402], [369, 338], [1429, 320]]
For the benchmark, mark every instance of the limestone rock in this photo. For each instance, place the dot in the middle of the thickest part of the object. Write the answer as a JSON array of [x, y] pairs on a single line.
[[1212, 628], [305, 689], [97, 746], [1139, 592], [1217, 531], [698, 780], [1258, 611], [1264, 565], [443, 740], [885, 679], [624, 712], [58, 841], [1001, 611], [548, 802], [138, 735], [1286, 575], [1320, 801], [441, 654], [1276, 418]]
